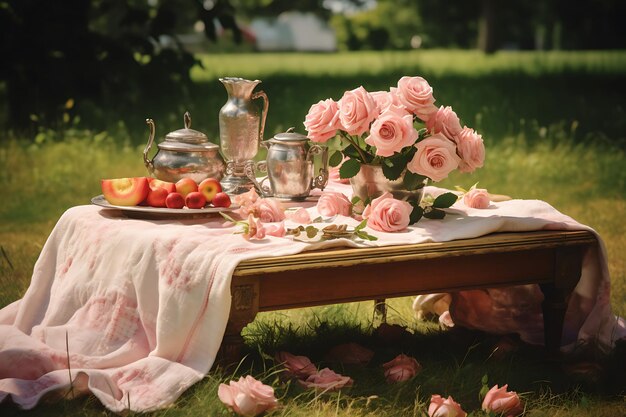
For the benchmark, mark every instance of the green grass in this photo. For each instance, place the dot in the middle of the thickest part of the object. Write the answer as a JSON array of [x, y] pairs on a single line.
[[554, 126]]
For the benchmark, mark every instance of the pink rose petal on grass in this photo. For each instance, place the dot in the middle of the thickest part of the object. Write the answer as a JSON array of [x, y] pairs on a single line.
[[296, 366], [503, 402], [440, 407], [326, 380], [350, 353], [247, 397], [401, 368]]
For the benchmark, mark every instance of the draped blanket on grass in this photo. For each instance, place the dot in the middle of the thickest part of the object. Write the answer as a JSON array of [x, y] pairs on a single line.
[[138, 308]]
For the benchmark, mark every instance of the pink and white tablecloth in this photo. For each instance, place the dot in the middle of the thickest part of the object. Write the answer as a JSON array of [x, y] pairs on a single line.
[[138, 308]]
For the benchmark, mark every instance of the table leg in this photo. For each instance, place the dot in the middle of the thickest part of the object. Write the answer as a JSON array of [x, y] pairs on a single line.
[[243, 310], [568, 263], [380, 310]]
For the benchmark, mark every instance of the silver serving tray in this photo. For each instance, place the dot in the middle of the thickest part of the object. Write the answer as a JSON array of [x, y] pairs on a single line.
[[147, 212]]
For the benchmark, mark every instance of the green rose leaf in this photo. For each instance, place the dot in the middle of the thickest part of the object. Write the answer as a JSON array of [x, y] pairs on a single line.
[[361, 226], [445, 200], [416, 214], [392, 172], [349, 168], [351, 152], [413, 181], [335, 159], [435, 214]]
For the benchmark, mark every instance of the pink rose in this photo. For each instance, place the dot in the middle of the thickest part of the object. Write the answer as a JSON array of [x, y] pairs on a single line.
[[351, 353], [247, 397], [384, 99], [444, 121], [296, 366], [471, 150], [268, 210], [327, 380], [255, 229], [416, 95], [392, 131], [357, 109], [386, 214], [301, 216], [501, 402], [477, 198], [401, 368], [435, 158], [275, 229], [246, 201], [391, 333], [331, 204], [444, 408], [322, 120]]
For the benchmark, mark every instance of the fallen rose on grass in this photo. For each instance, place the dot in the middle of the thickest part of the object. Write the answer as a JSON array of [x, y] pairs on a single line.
[[299, 367], [445, 320], [401, 368], [391, 333], [247, 397], [331, 204], [440, 407], [326, 380], [503, 402], [386, 214]]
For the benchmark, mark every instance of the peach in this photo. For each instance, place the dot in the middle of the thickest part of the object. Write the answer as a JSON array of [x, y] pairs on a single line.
[[185, 186], [125, 191], [156, 197], [175, 201], [195, 200], [210, 187], [169, 186], [221, 199]]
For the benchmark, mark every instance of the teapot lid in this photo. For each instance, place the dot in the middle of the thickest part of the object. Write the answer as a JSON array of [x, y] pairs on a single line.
[[187, 139], [290, 136]]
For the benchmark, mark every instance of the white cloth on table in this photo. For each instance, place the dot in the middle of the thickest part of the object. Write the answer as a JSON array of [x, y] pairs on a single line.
[[139, 307]]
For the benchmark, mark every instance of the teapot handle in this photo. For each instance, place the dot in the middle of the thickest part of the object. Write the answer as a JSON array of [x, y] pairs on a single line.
[[266, 105], [249, 170], [320, 181], [148, 162]]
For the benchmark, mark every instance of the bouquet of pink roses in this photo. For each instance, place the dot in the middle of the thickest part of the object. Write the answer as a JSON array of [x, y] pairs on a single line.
[[401, 130]]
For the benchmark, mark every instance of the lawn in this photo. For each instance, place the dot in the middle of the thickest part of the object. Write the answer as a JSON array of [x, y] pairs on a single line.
[[554, 125]]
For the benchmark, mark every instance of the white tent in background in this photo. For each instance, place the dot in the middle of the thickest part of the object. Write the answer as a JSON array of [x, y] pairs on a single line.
[[293, 31]]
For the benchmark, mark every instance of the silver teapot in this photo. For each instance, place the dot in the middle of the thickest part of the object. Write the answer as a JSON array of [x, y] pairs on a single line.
[[184, 153], [290, 167]]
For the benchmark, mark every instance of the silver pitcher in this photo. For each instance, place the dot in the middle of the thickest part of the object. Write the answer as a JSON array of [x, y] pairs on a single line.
[[241, 130], [290, 167], [184, 153]]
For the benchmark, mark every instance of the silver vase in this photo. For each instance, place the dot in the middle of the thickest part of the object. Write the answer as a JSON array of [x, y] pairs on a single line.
[[370, 183]]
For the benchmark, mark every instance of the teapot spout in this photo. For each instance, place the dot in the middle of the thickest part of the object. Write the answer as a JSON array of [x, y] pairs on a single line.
[[239, 87], [146, 161]]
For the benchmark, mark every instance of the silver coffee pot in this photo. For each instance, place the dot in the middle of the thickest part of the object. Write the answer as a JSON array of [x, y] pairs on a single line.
[[184, 153], [290, 167]]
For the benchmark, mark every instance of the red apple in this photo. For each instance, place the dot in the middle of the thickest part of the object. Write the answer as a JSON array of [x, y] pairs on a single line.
[[169, 186], [125, 191], [185, 186], [195, 200], [210, 187], [221, 200], [175, 201], [156, 197]]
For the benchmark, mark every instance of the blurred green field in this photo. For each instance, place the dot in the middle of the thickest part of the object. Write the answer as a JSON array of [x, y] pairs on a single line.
[[554, 125]]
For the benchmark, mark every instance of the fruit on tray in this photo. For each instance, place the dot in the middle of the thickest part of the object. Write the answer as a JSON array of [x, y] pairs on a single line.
[[154, 183], [175, 201], [125, 191], [156, 197], [209, 187], [195, 200], [185, 186], [221, 199]]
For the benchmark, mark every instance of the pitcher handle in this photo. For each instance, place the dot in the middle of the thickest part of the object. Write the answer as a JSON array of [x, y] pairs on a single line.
[[321, 180], [148, 162], [266, 105], [250, 172]]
